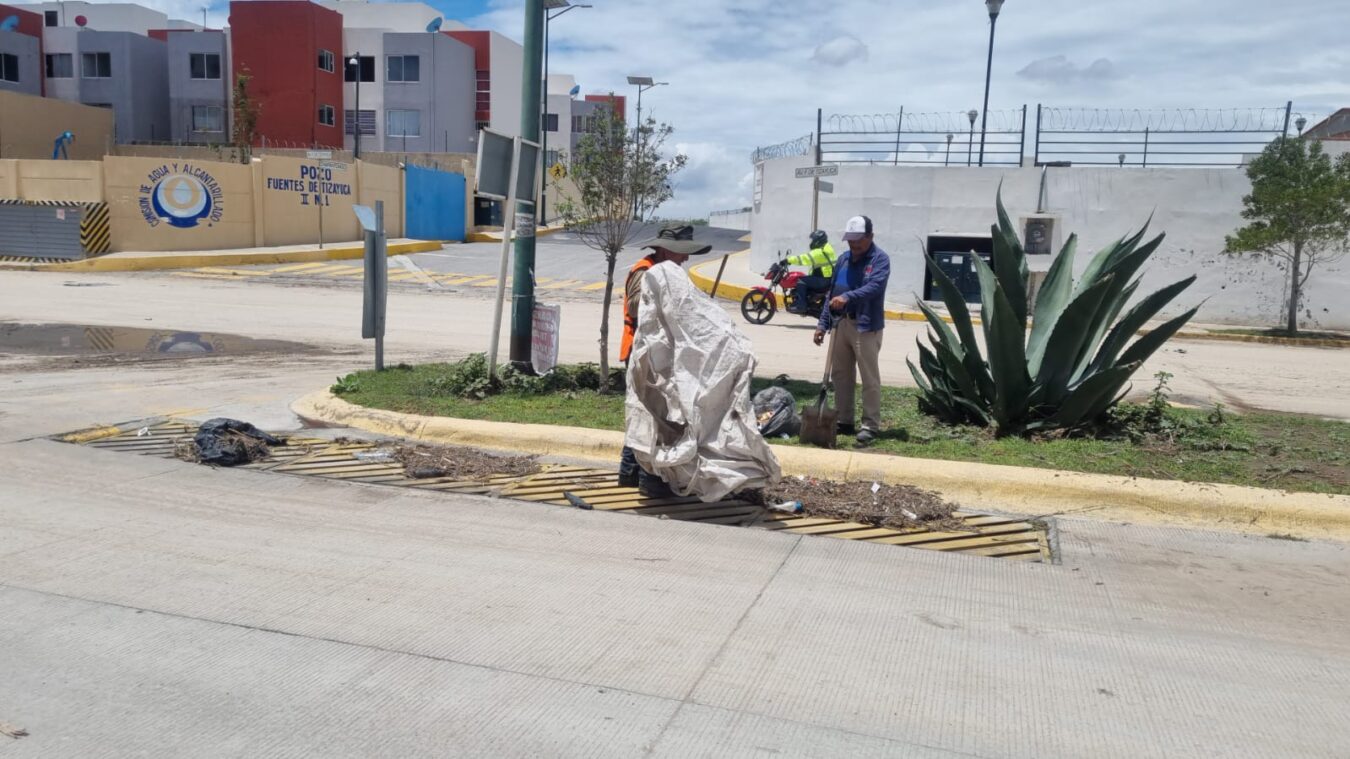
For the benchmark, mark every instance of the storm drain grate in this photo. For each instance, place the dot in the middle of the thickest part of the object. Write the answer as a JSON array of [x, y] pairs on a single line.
[[985, 534]]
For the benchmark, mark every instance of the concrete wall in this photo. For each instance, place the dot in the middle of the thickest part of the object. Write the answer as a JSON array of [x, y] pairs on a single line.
[[186, 92], [29, 125], [159, 204], [72, 181], [508, 71], [1195, 207], [730, 219], [137, 91], [27, 52], [63, 41]]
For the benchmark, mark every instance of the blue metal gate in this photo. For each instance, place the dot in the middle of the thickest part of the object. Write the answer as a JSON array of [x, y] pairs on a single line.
[[435, 201]]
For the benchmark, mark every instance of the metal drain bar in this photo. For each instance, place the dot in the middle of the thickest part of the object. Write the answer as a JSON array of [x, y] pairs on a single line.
[[353, 461]]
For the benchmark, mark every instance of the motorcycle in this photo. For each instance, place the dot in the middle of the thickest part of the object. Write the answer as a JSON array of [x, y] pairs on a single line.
[[761, 303]]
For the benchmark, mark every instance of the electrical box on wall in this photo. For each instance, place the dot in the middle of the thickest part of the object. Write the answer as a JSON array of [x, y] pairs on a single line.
[[1040, 234]]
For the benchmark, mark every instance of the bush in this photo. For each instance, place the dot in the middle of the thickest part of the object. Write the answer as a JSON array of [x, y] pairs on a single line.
[[469, 379]]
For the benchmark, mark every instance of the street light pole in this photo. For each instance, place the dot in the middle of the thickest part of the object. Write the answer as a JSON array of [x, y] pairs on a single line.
[[549, 5], [994, 6], [643, 83], [522, 283], [948, 159], [972, 114], [355, 61]]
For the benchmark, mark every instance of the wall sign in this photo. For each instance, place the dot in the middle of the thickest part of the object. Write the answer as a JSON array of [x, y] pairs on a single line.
[[181, 195], [315, 186]]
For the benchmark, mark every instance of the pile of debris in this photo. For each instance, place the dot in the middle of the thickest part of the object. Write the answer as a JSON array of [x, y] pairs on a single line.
[[873, 503], [427, 461], [225, 442]]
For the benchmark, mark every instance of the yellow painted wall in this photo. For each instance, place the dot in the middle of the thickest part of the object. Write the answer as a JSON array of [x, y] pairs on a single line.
[[29, 126], [384, 183], [297, 193], [203, 205], [9, 179], [73, 181]]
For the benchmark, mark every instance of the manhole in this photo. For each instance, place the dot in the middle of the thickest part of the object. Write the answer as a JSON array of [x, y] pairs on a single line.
[[985, 534]]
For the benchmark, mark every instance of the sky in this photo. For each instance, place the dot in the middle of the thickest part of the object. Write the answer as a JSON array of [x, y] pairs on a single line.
[[747, 73]]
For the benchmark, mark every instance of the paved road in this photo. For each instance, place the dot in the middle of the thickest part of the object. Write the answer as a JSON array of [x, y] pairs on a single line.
[[161, 608], [453, 320], [564, 267]]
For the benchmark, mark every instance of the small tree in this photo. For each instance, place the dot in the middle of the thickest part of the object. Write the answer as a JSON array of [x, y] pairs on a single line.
[[614, 171], [245, 116], [1299, 207]]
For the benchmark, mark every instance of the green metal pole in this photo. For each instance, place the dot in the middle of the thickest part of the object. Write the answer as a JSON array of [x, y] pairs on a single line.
[[522, 288]]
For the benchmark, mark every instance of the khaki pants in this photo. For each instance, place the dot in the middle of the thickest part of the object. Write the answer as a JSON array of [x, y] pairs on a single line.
[[856, 353]]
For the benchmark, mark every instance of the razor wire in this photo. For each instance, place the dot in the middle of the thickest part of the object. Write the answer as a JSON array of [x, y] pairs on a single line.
[[1162, 120], [797, 147], [938, 122]]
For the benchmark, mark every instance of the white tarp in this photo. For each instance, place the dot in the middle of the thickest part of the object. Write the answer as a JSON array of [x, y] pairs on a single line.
[[688, 413]]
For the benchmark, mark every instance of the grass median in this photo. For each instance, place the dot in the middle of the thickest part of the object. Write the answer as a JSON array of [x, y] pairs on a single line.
[[1260, 449]]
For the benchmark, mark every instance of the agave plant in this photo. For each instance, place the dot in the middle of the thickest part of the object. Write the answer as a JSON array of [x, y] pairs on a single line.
[[1073, 364]]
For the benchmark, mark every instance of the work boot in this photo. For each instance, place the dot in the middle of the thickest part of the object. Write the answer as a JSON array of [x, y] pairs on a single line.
[[866, 437], [654, 487], [845, 428], [628, 479]]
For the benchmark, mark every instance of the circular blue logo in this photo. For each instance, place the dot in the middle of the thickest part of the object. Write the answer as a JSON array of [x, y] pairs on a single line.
[[182, 200]]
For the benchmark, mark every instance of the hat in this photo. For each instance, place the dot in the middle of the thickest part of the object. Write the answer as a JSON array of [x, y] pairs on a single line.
[[857, 228], [678, 239]]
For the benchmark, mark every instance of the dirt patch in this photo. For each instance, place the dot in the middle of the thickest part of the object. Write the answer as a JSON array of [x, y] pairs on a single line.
[[893, 506], [426, 461]]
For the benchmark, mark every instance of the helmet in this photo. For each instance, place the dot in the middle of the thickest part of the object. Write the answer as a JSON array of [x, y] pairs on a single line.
[[819, 238]]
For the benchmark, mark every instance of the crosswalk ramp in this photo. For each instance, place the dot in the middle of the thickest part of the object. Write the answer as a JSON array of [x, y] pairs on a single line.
[[396, 275]]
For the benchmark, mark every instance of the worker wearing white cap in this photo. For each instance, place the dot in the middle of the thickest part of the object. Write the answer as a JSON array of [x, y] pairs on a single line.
[[857, 310]]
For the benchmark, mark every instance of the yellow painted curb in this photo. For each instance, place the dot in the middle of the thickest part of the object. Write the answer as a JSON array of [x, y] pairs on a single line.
[[497, 236], [243, 258], [1020, 490]]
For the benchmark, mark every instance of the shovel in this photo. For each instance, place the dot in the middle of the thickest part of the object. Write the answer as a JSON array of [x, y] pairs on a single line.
[[818, 420]]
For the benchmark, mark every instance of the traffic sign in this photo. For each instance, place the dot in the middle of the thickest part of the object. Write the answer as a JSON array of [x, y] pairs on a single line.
[[557, 171], [319, 155], [826, 186], [807, 172]]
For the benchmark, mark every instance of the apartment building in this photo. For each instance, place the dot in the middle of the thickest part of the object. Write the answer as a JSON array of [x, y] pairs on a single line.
[[499, 67], [20, 51], [199, 84]]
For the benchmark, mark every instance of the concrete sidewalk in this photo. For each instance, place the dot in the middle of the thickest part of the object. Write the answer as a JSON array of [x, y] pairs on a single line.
[[159, 607], [281, 254]]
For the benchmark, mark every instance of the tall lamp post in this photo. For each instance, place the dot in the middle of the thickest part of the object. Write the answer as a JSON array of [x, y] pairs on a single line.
[[1300, 123], [561, 6], [972, 114], [643, 83], [994, 7], [948, 158], [355, 62]]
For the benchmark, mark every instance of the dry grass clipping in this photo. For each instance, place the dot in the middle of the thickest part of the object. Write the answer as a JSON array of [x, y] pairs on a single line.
[[892, 506], [425, 461]]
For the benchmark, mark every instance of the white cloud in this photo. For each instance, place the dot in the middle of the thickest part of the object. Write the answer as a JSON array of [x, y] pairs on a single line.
[[841, 51]]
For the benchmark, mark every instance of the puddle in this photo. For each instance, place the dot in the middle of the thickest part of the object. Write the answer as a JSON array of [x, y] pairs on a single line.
[[80, 340]]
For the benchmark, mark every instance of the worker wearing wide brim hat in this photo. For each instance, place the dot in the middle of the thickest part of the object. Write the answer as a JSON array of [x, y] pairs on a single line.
[[674, 244]]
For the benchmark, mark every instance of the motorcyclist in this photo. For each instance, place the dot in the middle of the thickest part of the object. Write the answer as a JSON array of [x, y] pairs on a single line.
[[820, 258]]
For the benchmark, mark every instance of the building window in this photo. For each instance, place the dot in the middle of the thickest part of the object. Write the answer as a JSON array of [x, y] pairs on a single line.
[[50, 18], [367, 66], [208, 118], [367, 122], [403, 123], [9, 67], [60, 66], [326, 60], [484, 80], [327, 117], [403, 68], [204, 65], [96, 65], [551, 122], [578, 122], [484, 101]]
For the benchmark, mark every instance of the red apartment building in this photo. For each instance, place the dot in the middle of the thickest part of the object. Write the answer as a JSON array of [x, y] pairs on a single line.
[[293, 51]]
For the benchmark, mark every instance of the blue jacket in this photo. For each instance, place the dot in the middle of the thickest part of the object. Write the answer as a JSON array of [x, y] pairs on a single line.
[[864, 283]]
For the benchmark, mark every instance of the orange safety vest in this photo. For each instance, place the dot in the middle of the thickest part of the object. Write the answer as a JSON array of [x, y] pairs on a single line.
[[630, 325]]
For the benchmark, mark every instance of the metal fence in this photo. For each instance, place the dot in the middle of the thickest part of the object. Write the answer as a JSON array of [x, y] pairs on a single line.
[[1047, 135]]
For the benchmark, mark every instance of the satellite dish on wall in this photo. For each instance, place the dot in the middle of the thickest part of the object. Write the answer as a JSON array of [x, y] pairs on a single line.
[[435, 25], [9, 24], [80, 21], [576, 90]]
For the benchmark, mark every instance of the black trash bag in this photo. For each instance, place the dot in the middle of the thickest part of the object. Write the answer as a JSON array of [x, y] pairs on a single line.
[[776, 412], [230, 442]]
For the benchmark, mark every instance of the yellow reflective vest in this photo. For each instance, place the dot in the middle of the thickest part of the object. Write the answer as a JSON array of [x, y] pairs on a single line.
[[819, 259]]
